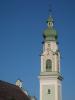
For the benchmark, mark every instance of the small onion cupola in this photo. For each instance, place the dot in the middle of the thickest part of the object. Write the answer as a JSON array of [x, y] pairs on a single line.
[[50, 33]]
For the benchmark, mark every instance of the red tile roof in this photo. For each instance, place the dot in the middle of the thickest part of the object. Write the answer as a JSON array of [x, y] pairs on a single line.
[[11, 92]]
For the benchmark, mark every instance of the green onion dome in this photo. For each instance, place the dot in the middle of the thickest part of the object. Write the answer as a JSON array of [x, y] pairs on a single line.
[[50, 33]]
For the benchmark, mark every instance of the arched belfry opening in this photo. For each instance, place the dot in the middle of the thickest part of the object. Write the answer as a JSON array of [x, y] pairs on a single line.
[[48, 65]]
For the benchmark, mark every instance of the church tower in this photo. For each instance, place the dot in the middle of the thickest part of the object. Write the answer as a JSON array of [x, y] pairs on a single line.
[[50, 75]]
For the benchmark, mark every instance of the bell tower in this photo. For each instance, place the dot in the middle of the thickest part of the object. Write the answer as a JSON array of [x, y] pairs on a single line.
[[50, 76]]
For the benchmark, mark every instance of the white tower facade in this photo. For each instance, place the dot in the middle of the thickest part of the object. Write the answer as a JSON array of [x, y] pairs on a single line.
[[50, 75]]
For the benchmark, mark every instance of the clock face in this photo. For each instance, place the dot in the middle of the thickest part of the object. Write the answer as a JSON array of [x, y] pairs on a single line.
[[48, 51], [48, 48], [48, 45]]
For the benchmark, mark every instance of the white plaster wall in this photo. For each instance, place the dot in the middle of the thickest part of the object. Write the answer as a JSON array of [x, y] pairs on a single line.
[[54, 82]]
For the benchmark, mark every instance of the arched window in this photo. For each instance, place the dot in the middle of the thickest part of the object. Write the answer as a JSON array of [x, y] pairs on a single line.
[[48, 65]]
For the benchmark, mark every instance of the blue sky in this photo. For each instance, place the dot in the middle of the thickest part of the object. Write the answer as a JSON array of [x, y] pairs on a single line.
[[21, 26]]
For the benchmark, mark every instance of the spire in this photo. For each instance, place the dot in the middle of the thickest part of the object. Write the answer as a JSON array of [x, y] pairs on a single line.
[[50, 9], [50, 33], [50, 20]]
